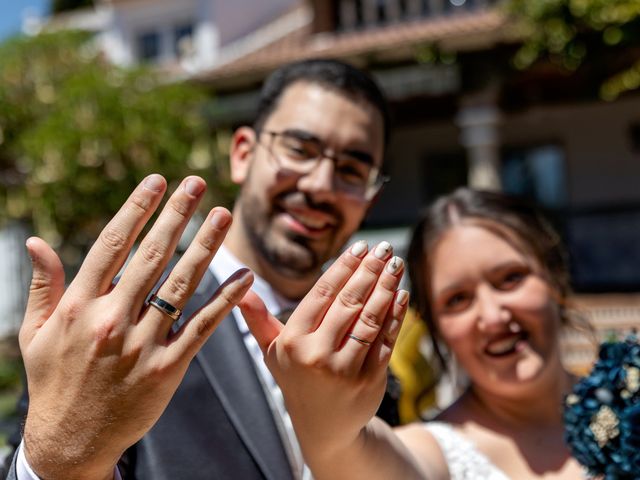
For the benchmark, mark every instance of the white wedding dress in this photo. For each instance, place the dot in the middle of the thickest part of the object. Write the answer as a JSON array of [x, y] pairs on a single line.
[[464, 460]]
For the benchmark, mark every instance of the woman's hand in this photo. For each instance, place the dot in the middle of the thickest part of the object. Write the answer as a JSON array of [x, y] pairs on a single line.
[[102, 364], [330, 358]]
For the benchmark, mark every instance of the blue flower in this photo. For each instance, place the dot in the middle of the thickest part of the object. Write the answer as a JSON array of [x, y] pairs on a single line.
[[602, 414]]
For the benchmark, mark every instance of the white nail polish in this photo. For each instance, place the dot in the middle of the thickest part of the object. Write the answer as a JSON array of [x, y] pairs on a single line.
[[382, 250], [402, 297], [394, 265], [358, 248]]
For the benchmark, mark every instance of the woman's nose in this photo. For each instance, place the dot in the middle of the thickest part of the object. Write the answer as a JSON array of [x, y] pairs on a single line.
[[492, 313]]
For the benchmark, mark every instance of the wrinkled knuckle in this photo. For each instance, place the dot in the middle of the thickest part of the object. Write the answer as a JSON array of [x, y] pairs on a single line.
[[207, 243], [152, 251], [389, 283], [113, 239], [139, 202], [370, 320], [181, 208], [373, 267], [324, 290], [318, 362], [108, 329], [350, 299], [70, 309], [204, 324], [178, 286], [388, 339], [39, 281]]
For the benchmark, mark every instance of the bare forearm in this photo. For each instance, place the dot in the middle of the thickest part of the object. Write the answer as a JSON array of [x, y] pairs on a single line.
[[377, 453]]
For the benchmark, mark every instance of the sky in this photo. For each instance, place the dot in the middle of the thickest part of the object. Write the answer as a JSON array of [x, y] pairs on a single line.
[[11, 12]]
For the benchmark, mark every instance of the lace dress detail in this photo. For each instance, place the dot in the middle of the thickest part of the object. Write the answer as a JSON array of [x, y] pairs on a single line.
[[463, 459]]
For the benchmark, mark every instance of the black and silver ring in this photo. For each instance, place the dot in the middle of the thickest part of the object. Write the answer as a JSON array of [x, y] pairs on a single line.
[[165, 307]]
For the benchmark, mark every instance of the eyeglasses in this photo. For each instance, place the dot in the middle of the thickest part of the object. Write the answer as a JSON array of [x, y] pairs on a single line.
[[300, 152]]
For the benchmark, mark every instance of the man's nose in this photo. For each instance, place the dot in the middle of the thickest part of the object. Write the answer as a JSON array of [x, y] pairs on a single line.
[[492, 313], [319, 182]]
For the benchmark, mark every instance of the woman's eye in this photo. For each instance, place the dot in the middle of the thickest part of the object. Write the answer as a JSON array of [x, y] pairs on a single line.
[[511, 280], [457, 302]]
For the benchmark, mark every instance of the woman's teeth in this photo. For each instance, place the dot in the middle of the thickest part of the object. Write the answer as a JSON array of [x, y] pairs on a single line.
[[504, 346]]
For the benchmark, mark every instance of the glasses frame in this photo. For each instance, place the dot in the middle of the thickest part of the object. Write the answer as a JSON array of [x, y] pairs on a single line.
[[376, 181]]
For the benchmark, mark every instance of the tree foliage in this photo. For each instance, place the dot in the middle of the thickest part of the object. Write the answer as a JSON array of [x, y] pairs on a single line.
[[77, 134], [572, 32]]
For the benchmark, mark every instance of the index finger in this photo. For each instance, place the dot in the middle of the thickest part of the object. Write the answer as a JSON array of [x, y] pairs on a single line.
[[309, 313], [109, 252]]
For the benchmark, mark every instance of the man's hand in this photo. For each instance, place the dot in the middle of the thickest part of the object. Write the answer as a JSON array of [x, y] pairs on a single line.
[[101, 364], [330, 358]]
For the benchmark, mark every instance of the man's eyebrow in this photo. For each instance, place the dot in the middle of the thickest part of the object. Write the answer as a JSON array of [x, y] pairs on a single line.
[[307, 136], [359, 155], [302, 134]]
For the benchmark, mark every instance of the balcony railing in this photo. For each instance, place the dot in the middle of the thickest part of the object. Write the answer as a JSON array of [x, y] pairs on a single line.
[[360, 14]]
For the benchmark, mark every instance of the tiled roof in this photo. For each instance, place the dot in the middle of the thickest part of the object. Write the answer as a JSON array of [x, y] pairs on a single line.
[[469, 30]]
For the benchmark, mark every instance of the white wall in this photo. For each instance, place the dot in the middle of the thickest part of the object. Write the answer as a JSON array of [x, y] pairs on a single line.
[[130, 19]]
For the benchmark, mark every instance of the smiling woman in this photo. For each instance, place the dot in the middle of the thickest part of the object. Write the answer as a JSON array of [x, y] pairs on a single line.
[[489, 276]]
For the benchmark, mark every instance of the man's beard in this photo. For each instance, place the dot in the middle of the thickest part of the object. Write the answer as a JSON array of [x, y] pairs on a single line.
[[289, 254]]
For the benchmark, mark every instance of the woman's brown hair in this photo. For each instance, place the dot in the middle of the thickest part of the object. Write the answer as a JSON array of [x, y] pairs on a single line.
[[518, 222]]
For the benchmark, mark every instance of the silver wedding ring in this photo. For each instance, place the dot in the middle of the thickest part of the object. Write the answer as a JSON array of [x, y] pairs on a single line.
[[165, 307], [361, 341]]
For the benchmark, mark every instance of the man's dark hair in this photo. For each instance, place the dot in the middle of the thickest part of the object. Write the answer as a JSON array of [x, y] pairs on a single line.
[[331, 74]]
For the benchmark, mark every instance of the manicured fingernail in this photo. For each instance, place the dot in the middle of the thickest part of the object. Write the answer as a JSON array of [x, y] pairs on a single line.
[[402, 297], [245, 277], [359, 248], [193, 187], [154, 183], [394, 265], [383, 250], [219, 220]]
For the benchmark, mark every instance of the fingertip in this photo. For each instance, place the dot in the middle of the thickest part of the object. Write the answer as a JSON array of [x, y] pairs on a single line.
[[402, 297], [220, 218], [244, 277], [155, 183]]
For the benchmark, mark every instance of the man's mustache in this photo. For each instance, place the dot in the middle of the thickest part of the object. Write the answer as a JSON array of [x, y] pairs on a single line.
[[299, 199]]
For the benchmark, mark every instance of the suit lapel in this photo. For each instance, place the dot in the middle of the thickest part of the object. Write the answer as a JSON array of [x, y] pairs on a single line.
[[231, 372]]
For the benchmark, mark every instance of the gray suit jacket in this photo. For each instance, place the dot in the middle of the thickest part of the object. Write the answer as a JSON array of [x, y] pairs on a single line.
[[218, 425]]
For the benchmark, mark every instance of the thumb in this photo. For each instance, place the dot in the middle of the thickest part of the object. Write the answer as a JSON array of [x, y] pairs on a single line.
[[264, 326], [47, 285]]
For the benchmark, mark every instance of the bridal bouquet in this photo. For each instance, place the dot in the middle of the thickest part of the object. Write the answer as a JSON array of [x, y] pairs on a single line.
[[602, 414]]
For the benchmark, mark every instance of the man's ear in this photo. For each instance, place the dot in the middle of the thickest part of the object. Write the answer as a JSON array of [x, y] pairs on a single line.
[[242, 146]]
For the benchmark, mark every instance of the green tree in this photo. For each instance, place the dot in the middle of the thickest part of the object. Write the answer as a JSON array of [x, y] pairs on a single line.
[[571, 33], [77, 134]]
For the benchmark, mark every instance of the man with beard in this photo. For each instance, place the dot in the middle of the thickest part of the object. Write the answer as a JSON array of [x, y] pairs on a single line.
[[309, 168]]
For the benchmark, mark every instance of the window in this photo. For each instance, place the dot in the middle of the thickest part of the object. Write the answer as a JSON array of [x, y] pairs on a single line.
[[537, 173], [148, 44], [183, 40]]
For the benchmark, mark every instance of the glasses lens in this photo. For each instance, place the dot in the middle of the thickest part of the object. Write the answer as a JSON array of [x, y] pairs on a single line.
[[352, 175]]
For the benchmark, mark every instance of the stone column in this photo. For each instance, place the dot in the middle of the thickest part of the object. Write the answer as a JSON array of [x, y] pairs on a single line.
[[479, 124]]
